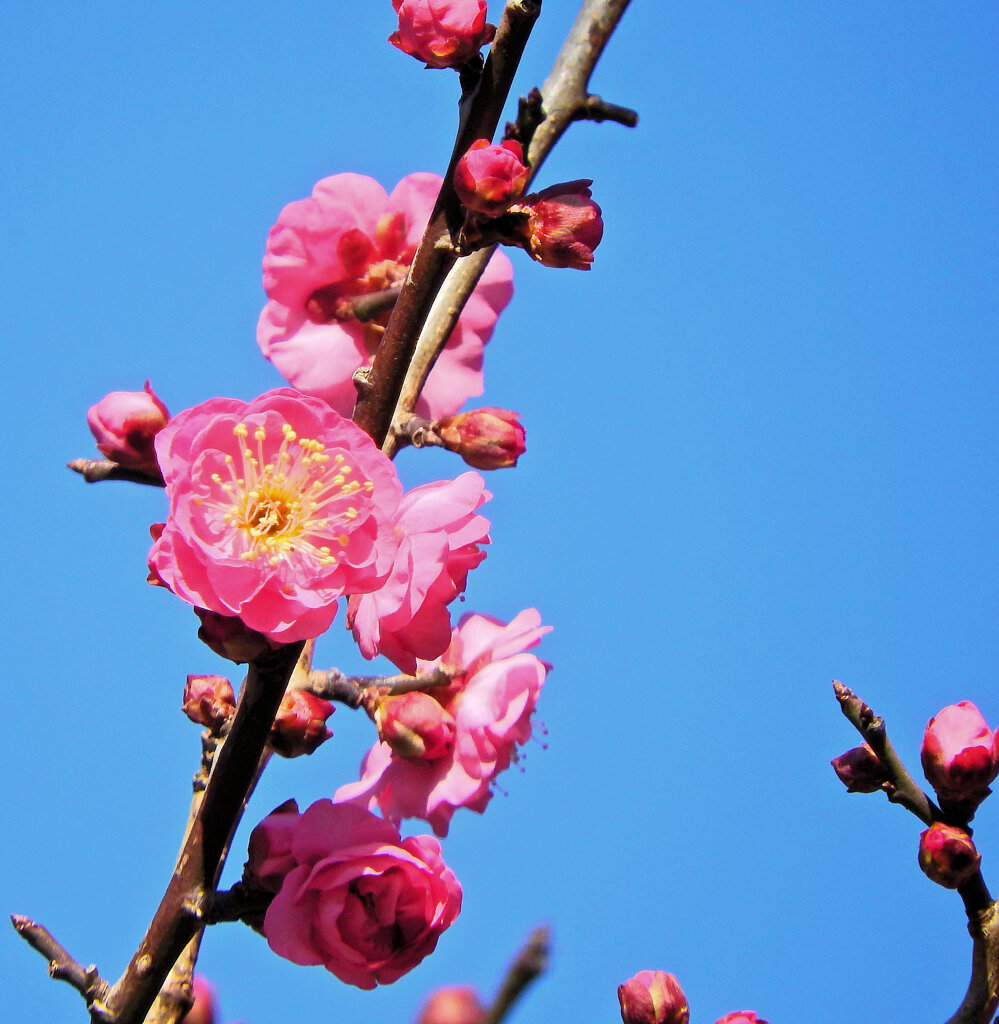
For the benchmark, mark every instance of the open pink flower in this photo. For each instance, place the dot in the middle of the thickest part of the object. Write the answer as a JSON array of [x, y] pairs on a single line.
[[439, 536], [278, 507], [494, 692], [349, 239], [351, 894], [442, 33]]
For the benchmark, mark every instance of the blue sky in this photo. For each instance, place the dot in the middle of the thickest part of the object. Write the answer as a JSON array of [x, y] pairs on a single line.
[[762, 454]]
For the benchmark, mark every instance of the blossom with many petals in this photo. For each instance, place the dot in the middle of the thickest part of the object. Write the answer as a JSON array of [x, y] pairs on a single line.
[[278, 507], [439, 533], [442, 33], [350, 893], [493, 693], [351, 239]]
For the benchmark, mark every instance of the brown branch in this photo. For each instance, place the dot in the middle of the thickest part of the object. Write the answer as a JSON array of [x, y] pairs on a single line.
[[566, 98], [378, 391], [180, 915], [351, 690], [96, 470], [62, 967], [531, 961], [982, 998], [593, 108], [901, 787]]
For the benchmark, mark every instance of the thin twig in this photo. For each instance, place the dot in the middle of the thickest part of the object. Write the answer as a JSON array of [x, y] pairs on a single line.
[[96, 470], [531, 961], [351, 690]]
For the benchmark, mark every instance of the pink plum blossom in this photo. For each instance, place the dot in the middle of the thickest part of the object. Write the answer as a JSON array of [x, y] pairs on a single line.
[[278, 507], [348, 239], [563, 226], [350, 893], [740, 1017], [439, 534], [442, 33], [124, 425], [493, 693], [653, 997]]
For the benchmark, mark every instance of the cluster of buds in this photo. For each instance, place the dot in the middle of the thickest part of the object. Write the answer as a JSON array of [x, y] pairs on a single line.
[[559, 226], [655, 997]]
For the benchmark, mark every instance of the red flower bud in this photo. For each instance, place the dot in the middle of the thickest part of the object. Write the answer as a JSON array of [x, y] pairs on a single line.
[[442, 33], [457, 1005], [415, 726], [860, 770], [228, 637], [124, 424], [209, 701], [300, 724], [489, 177], [653, 997], [947, 855], [740, 1017], [960, 756], [563, 225], [486, 438], [202, 1010]]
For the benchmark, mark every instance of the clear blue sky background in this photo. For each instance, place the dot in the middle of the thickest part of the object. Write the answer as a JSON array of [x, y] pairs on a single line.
[[762, 455]]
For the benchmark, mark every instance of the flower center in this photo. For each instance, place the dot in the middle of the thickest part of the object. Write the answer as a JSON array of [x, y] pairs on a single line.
[[297, 505]]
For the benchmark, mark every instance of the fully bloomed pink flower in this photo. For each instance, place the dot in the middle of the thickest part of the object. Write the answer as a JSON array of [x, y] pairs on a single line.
[[493, 694], [278, 507], [442, 33], [349, 239], [350, 893], [439, 536]]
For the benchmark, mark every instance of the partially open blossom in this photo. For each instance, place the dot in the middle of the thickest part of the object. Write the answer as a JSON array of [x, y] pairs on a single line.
[[351, 239], [124, 424], [415, 726], [269, 854], [740, 1017], [486, 438], [300, 724], [947, 855], [860, 770], [442, 33], [458, 1004], [228, 636], [440, 533], [960, 756], [278, 507], [494, 691], [202, 1010], [563, 225], [208, 701], [355, 897], [653, 997], [490, 176]]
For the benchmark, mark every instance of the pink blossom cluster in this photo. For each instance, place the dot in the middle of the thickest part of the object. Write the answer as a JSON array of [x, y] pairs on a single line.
[[469, 736], [349, 892]]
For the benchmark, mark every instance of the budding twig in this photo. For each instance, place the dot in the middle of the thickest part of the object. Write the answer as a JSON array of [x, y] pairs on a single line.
[[531, 961], [351, 690], [96, 470]]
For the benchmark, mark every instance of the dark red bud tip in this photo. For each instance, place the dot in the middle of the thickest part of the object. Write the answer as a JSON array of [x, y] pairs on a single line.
[[653, 997], [948, 856], [860, 770]]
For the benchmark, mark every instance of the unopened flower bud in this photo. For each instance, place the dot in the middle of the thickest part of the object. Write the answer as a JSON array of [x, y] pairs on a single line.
[[442, 33], [960, 756], [415, 726], [740, 1017], [456, 1005], [209, 701], [202, 1010], [490, 176], [300, 724], [860, 770], [486, 438], [124, 424], [947, 855], [563, 225], [228, 637], [653, 997]]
